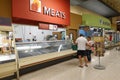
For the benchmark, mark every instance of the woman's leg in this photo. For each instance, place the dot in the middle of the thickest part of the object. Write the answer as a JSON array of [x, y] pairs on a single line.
[[80, 60], [86, 60]]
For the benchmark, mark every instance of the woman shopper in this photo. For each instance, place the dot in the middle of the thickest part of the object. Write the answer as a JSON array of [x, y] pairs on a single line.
[[81, 50], [88, 48]]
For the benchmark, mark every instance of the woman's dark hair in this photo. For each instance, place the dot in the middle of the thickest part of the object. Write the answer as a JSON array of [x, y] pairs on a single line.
[[89, 37], [81, 35]]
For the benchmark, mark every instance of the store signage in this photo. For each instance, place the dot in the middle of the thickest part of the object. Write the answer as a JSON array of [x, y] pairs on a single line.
[[104, 22], [46, 11], [53, 12], [43, 26], [35, 5], [53, 27], [47, 26]]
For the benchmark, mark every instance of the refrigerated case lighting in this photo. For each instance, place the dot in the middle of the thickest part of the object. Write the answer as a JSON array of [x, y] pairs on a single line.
[[28, 47]]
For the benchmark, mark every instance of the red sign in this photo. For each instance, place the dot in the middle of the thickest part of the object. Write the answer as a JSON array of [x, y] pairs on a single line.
[[43, 26], [49, 11]]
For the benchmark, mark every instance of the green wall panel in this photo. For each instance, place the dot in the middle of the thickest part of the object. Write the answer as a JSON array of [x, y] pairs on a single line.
[[96, 21]]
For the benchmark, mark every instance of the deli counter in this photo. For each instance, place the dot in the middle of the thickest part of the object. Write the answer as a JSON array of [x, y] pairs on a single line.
[[38, 52], [26, 49]]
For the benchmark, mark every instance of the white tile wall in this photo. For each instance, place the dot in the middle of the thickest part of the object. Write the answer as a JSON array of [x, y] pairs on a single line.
[[23, 31]]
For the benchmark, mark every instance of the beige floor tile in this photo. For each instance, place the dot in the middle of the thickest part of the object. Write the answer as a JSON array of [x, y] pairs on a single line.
[[69, 70]]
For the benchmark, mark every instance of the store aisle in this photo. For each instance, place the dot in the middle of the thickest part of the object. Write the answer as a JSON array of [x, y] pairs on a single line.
[[69, 70]]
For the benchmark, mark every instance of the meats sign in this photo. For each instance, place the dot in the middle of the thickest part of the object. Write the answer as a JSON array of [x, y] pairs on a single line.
[[41, 11], [36, 5]]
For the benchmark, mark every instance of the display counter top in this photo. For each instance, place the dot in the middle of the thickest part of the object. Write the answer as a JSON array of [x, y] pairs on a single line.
[[32, 42], [27, 49], [31, 53], [33, 60]]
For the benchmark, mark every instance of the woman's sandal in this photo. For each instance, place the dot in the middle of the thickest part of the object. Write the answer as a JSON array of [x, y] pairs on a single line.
[[86, 65], [81, 66]]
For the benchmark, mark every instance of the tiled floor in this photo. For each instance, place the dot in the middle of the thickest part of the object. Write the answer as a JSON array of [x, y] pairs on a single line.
[[69, 70]]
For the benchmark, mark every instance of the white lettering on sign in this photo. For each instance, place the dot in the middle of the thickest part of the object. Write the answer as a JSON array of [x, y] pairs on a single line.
[[104, 22], [53, 12], [46, 10]]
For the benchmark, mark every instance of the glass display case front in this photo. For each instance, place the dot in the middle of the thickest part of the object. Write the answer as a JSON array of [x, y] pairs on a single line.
[[26, 49]]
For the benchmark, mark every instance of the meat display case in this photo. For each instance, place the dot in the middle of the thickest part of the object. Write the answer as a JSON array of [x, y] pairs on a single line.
[[27, 49]]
